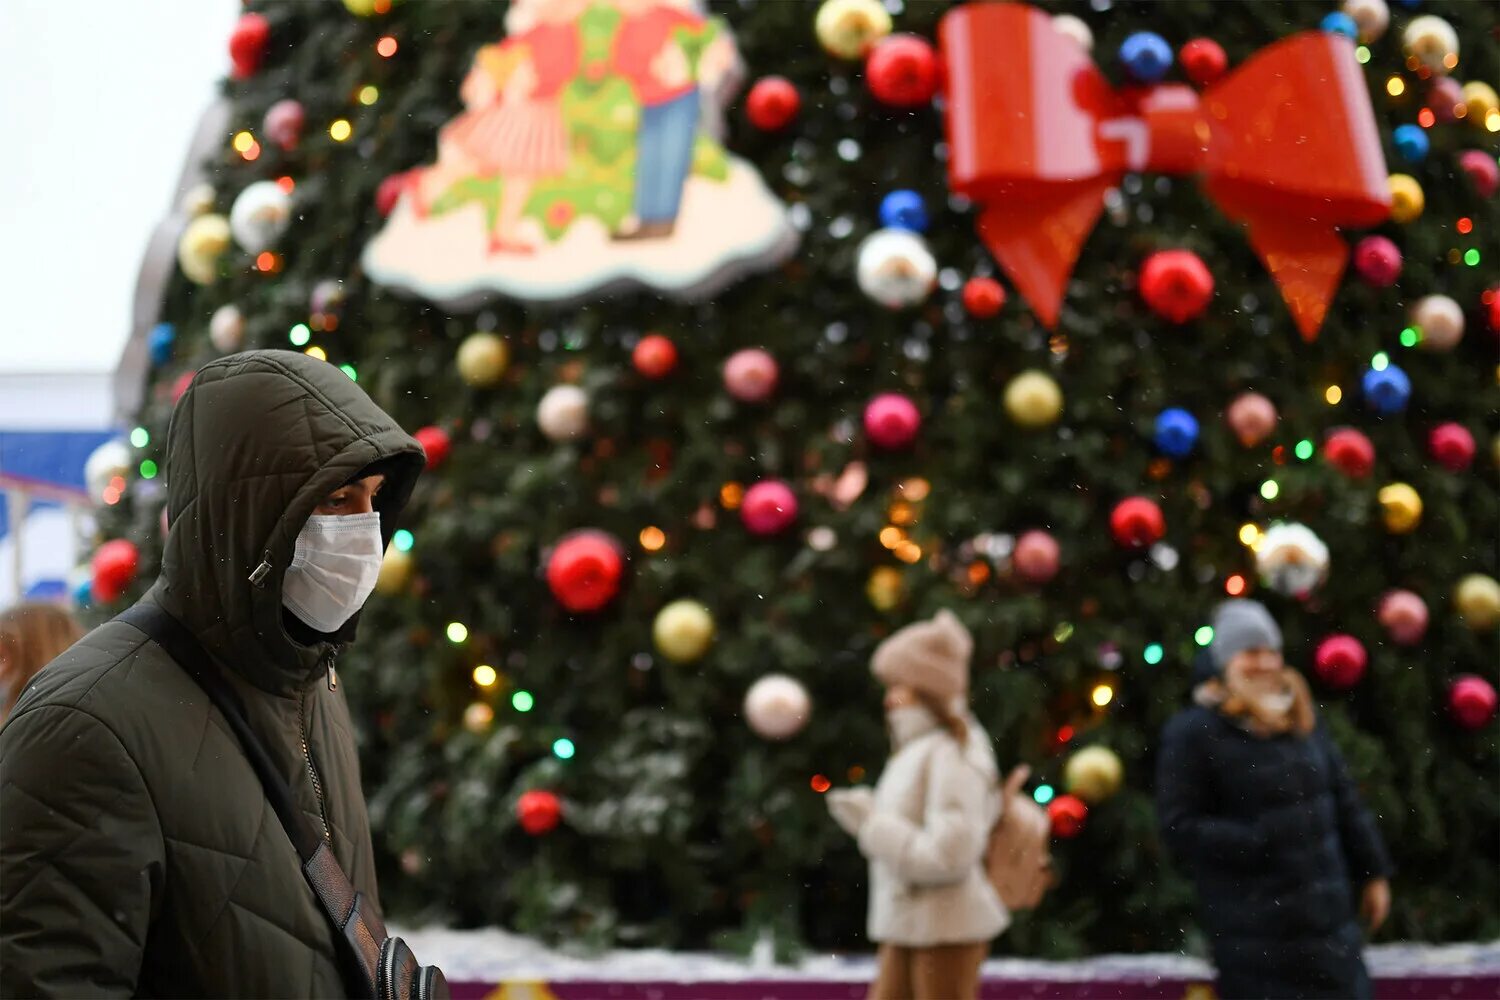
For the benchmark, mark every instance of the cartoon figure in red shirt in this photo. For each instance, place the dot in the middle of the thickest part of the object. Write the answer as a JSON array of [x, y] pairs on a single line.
[[652, 52]]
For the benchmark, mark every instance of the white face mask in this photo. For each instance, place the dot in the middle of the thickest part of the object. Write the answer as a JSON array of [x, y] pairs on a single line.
[[334, 568]]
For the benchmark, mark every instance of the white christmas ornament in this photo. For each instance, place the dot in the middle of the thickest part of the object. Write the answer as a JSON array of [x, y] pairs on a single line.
[[1433, 41], [777, 707], [110, 459], [895, 268], [198, 199], [563, 413], [1372, 17], [226, 328], [1291, 559], [1441, 321], [260, 215], [1075, 29]]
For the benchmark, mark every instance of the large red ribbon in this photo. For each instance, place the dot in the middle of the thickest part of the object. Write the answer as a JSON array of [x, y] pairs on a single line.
[[1286, 144]]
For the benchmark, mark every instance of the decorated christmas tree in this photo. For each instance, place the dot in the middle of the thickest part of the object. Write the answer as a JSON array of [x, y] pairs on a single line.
[[735, 346]]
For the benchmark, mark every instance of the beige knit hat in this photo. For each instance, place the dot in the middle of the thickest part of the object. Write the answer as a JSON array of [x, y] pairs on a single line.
[[931, 656]]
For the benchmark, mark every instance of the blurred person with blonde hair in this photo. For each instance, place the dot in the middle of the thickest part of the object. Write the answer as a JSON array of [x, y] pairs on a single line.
[[31, 636]]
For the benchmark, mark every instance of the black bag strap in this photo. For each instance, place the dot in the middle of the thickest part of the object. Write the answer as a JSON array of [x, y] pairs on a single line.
[[357, 926]]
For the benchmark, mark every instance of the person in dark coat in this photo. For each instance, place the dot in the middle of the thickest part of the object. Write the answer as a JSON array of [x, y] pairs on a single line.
[[138, 853], [1255, 802]]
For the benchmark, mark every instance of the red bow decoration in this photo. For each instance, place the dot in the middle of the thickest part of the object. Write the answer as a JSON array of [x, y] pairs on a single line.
[[1286, 144]]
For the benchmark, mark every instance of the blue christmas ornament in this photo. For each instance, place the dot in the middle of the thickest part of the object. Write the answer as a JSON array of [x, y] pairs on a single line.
[[1387, 389], [159, 342], [1339, 23], [1146, 56], [83, 594], [903, 209], [1411, 142], [1176, 432]]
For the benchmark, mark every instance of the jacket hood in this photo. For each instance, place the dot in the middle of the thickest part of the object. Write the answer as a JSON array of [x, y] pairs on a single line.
[[255, 444]]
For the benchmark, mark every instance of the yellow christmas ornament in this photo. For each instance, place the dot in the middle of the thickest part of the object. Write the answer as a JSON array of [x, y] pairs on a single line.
[[1094, 774], [884, 588], [202, 243], [395, 571], [482, 360], [1480, 99], [367, 8], [1402, 508], [1033, 399], [1407, 200], [683, 631], [1478, 601], [1495, 450], [848, 29]]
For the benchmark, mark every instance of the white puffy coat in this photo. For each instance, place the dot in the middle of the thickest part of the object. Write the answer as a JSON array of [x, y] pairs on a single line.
[[925, 837]]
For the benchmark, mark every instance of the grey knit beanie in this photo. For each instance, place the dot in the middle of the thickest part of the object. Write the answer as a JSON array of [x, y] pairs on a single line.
[[1241, 625]]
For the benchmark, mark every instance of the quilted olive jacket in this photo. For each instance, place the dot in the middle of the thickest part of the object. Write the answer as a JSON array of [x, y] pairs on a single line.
[[138, 853]]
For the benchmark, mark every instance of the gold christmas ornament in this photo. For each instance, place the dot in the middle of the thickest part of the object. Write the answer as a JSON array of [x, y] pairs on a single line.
[[1407, 200], [1401, 507], [482, 360], [848, 29], [1033, 399], [884, 588], [202, 243], [683, 631], [395, 571], [1478, 601], [1094, 774], [1481, 100]]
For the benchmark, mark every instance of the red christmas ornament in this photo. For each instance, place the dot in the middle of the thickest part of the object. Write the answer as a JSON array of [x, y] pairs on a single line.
[[655, 357], [1471, 700], [436, 443], [1451, 446], [1404, 617], [1491, 299], [983, 297], [1377, 261], [1340, 661], [902, 71], [180, 386], [247, 44], [585, 570], [389, 192], [1481, 169], [1137, 522], [1350, 452], [1203, 60], [1068, 814], [538, 811], [114, 566], [750, 375], [1037, 557], [1252, 417], [773, 103], [1176, 285], [769, 507], [892, 421]]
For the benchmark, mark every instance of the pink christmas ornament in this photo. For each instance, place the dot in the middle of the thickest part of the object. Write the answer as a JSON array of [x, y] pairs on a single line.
[[1451, 446], [1252, 417], [1471, 700], [1482, 170], [283, 123], [892, 421], [750, 375], [1037, 557], [1404, 617], [1444, 97], [1340, 661], [1377, 261], [769, 507]]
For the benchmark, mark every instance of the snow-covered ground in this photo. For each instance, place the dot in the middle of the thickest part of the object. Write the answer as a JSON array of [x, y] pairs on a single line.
[[493, 956]]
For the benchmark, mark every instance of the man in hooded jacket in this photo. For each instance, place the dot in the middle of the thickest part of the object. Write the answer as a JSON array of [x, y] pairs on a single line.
[[138, 852]]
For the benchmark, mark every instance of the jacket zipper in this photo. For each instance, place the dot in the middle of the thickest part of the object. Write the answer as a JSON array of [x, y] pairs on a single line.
[[312, 770]]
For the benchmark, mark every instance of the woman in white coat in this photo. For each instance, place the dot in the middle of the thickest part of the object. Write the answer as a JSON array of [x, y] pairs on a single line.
[[925, 827]]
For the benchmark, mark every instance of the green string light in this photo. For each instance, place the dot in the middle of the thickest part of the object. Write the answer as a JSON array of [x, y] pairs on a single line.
[[1204, 635], [148, 469], [140, 437], [1410, 336], [457, 632], [1270, 490], [563, 748], [1043, 794], [522, 701], [349, 370], [1380, 362], [403, 540], [299, 335], [1154, 653], [1305, 449], [1362, 54], [1471, 257]]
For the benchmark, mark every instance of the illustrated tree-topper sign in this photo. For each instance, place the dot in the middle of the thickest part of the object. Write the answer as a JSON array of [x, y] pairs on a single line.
[[587, 157]]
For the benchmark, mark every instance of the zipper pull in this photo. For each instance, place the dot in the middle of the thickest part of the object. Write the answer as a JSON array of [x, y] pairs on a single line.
[[259, 574], [333, 671]]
